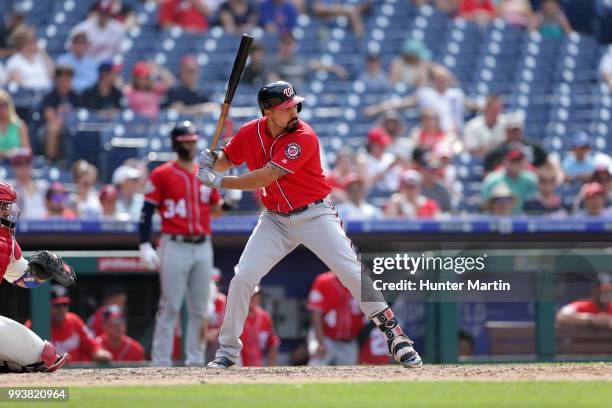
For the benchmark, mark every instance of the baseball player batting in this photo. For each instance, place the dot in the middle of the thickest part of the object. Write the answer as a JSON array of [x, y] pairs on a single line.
[[185, 260], [21, 350], [282, 154]]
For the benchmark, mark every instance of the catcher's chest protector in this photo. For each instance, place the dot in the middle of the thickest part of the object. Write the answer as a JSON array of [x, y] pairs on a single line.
[[6, 249]]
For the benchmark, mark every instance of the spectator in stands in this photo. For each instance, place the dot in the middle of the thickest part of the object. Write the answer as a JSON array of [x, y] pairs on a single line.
[[331, 9], [258, 337], [515, 124], [383, 168], [579, 164], [605, 67], [412, 66], [186, 97], [130, 198], [56, 199], [68, 332], [14, 19], [257, 71], [13, 131], [408, 202], [431, 184], [345, 168], [443, 96], [238, 16], [515, 12], [402, 145], [428, 134], [56, 106], [594, 197], [144, 93], [374, 77], [31, 192], [481, 12], [603, 176], [108, 200], [550, 20], [30, 67], [112, 295], [595, 313], [104, 33], [85, 68], [2, 75], [443, 155], [278, 16], [141, 165], [115, 340], [290, 67], [501, 201], [546, 201], [487, 131], [121, 11], [355, 207], [521, 181], [104, 97], [85, 202], [190, 15]]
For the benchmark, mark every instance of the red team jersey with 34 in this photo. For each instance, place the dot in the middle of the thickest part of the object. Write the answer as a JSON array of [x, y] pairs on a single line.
[[182, 200], [296, 152]]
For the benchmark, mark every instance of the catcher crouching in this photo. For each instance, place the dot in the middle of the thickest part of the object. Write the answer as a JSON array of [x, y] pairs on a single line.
[[21, 350]]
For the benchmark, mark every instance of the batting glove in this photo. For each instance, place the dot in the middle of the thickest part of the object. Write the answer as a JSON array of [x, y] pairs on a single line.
[[148, 256], [208, 158], [210, 177]]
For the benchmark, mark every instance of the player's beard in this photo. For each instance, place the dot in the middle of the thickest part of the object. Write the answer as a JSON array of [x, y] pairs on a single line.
[[292, 125], [184, 154]]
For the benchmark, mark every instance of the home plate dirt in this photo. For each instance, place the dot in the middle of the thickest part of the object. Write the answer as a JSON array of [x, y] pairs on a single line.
[[300, 375]]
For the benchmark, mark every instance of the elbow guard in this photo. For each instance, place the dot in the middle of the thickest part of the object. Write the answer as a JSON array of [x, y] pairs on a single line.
[[146, 221]]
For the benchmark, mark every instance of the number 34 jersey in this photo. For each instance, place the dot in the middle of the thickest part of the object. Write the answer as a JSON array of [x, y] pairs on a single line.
[[182, 200]]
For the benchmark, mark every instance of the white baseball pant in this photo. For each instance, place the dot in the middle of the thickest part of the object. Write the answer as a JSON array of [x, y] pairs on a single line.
[[19, 346]]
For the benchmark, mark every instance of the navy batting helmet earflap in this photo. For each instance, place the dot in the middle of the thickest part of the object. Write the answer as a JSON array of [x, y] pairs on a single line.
[[278, 95]]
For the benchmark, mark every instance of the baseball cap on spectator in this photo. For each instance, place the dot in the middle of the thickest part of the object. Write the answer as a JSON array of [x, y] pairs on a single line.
[[592, 189], [64, 70], [188, 58], [109, 66], [417, 48], [501, 192], [108, 191], [580, 139], [59, 295], [515, 121], [124, 173], [104, 5], [379, 136], [20, 156], [353, 178], [411, 177], [57, 192], [113, 314], [141, 69], [515, 152]]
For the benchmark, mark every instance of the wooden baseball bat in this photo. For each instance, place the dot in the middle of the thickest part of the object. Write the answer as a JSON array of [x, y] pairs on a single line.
[[241, 57]]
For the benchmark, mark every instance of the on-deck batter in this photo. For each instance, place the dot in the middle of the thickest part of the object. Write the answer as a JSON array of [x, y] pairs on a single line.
[[282, 154]]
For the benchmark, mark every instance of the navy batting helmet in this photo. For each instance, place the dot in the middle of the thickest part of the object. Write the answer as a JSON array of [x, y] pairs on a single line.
[[278, 95], [184, 132]]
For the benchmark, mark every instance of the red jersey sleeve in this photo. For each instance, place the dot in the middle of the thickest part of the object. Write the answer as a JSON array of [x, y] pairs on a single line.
[[233, 150], [153, 189], [316, 297], [295, 154], [88, 343]]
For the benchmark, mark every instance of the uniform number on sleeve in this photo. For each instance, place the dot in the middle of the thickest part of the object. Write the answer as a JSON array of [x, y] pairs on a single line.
[[175, 208]]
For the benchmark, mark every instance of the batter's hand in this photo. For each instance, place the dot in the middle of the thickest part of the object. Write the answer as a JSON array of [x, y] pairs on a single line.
[[208, 158], [148, 256], [210, 177]]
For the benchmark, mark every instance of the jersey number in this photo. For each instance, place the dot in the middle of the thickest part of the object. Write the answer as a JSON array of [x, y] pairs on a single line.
[[175, 208]]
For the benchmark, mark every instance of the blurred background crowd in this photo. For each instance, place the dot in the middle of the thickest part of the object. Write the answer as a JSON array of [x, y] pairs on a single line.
[[425, 109]]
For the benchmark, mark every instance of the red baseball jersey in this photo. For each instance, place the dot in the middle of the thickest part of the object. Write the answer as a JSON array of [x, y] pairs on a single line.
[[95, 322], [257, 337], [342, 317], [181, 198], [72, 337], [296, 152], [182, 13], [9, 251], [128, 350], [374, 350], [588, 306]]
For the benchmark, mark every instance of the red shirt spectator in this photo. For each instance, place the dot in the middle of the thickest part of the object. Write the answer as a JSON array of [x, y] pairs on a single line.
[[342, 317], [409, 202], [258, 336], [71, 336], [114, 339], [468, 7], [128, 350], [190, 15]]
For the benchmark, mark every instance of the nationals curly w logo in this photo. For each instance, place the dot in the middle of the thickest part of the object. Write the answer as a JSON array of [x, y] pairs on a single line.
[[292, 151], [288, 92]]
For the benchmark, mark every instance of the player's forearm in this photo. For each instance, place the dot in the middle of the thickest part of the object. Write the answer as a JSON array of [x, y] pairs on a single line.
[[316, 318], [249, 181]]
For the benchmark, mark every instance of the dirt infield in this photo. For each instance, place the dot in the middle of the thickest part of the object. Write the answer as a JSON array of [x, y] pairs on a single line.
[[298, 375]]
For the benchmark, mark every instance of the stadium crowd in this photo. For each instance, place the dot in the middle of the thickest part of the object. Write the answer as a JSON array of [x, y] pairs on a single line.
[[400, 171]]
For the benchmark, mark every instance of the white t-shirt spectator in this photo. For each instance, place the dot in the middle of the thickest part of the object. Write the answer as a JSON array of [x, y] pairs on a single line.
[[104, 43], [133, 209], [348, 210], [32, 74], [90, 208], [449, 105], [32, 202], [605, 66], [390, 181], [477, 135]]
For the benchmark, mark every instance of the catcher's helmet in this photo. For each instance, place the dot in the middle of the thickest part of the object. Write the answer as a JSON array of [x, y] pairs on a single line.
[[184, 132], [8, 216], [278, 95]]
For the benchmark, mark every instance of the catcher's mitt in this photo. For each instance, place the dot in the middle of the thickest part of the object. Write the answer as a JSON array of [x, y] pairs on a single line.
[[47, 265]]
